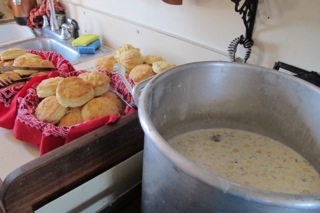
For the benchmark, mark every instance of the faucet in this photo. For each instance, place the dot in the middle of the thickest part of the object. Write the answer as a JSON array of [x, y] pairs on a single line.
[[53, 17], [45, 21], [70, 29], [75, 27], [65, 34]]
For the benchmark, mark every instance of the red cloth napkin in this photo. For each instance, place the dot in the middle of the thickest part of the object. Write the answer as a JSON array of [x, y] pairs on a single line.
[[47, 136], [35, 19], [9, 95]]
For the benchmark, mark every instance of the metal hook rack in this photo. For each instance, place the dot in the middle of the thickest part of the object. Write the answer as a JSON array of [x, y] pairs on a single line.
[[248, 11]]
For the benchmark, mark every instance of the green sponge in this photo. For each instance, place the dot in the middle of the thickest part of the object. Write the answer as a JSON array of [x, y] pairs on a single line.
[[84, 40]]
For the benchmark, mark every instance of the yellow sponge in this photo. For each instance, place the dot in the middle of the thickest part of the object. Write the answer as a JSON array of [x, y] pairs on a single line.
[[84, 40]]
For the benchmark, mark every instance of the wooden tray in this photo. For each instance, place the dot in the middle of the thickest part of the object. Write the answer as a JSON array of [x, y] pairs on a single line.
[[42, 180]]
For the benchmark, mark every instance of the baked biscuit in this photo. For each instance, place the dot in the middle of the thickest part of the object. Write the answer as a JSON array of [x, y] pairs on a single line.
[[119, 103], [141, 72], [99, 107], [9, 75], [105, 63], [8, 63], [48, 87], [130, 59], [38, 74], [149, 59], [125, 48], [49, 110], [72, 117], [73, 92], [161, 66], [46, 63], [30, 60], [99, 82], [11, 53]]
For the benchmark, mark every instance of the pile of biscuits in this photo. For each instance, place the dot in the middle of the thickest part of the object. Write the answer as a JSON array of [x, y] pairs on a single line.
[[138, 67], [75, 99], [72, 100], [20, 58]]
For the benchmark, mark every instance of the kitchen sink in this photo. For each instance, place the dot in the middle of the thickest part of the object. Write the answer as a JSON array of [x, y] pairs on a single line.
[[14, 33], [49, 43]]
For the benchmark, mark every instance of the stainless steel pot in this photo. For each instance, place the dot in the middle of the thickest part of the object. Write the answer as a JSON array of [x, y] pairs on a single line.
[[221, 94]]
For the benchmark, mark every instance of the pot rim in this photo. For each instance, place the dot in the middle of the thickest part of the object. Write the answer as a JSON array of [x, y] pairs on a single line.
[[311, 201]]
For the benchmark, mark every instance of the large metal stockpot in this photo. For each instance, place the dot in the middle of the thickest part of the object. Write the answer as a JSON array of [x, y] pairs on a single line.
[[222, 94]]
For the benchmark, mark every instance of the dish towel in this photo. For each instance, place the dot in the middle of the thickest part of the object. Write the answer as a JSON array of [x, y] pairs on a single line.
[[35, 19]]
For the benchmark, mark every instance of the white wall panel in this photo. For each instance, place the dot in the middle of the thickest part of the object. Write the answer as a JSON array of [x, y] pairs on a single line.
[[286, 30]]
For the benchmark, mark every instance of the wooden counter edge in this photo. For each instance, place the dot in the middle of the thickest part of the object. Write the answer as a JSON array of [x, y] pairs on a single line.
[[52, 175]]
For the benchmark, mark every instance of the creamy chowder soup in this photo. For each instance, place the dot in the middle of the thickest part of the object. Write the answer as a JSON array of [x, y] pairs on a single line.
[[249, 159]]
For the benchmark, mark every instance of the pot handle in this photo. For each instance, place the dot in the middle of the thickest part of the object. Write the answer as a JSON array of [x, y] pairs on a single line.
[[137, 89]]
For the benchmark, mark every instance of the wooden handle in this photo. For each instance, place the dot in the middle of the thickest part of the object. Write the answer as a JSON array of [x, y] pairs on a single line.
[[175, 2]]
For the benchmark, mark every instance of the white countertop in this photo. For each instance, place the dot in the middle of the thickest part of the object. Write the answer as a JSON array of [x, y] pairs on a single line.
[[14, 153]]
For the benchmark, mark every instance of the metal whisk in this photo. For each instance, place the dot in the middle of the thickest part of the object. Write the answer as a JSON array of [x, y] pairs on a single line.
[[233, 46]]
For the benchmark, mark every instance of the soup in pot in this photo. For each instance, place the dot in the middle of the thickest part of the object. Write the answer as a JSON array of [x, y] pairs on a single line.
[[249, 159]]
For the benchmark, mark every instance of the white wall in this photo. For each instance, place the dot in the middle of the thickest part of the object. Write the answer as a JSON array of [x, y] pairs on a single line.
[[285, 30]]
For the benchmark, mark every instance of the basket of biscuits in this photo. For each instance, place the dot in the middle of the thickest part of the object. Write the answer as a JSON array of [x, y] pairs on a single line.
[[23, 68], [54, 108], [66, 105]]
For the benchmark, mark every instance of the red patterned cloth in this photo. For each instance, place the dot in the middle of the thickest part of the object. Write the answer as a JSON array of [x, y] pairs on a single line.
[[48, 136], [9, 95], [35, 19]]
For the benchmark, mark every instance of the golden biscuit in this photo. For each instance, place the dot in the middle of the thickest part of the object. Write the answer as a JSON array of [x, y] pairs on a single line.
[[99, 107], [99, 82], [105, 63], [141, 72], [149, 59], [49, 110], [38, 74], [72, 117], [119, 103], [161, 66], [11, 53], [130, 59], [73, 92], [30, 60], [48, 87], [125, 48], [8, 63]]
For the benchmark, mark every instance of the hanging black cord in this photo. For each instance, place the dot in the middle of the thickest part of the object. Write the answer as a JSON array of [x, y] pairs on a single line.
[[248, 11]]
